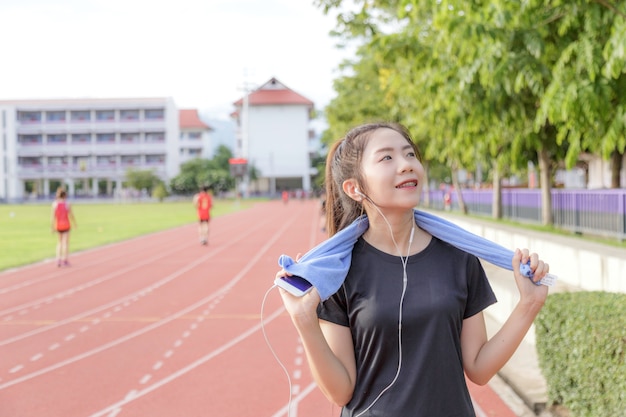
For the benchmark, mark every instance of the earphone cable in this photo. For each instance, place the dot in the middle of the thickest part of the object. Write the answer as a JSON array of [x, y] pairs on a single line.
[[404, 286], [284, 368]]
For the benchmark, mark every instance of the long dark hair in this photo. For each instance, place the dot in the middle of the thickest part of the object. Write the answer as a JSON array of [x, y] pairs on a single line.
[[344, 162]]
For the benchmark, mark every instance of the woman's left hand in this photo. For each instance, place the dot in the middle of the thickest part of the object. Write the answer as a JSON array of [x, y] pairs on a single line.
[[529, 291]]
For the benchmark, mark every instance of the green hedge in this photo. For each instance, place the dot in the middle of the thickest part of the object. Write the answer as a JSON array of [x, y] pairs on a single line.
[[581, 343]]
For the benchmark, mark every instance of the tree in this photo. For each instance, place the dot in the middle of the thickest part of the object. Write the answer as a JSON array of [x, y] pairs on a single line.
[[586, 97], [142, 180], [213, 173]]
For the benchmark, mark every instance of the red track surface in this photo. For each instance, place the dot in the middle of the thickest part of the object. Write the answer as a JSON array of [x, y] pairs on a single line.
[[161, 326]]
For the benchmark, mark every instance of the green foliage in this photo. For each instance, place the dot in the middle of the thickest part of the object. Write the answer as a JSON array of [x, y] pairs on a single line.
[[142, 179], [582, 352], [213, 173], [159, 192], [498, 83]]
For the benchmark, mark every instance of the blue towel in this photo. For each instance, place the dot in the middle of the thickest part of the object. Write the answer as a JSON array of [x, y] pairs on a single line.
[[326, 265]]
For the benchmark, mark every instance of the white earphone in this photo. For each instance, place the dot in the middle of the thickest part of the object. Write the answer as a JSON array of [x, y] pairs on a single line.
[[356, 190]]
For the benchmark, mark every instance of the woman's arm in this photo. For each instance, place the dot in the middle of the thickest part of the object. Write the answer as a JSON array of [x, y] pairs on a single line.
[[483, 358], [328, 346]]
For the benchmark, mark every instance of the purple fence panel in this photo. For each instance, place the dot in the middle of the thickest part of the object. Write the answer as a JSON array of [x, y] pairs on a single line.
[[600, 212]]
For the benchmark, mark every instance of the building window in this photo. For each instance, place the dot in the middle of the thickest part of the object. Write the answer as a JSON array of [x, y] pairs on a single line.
[[155, 114], [81, 138], [55, 116], [155, 159], [195, 152], [130, 160], [105, 138], [195, 135], [57, 160], [29, 161], [129, 138], [129, 115], [58, 139], [155, 137], [80, 116], [105, 115], [29, 140], [106, 160], [29, 116]]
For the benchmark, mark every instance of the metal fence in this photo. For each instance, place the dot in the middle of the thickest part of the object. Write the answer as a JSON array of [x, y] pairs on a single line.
[[594, 212]]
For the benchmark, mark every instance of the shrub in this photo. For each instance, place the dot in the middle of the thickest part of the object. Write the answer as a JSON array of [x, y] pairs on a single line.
[[581, 343]]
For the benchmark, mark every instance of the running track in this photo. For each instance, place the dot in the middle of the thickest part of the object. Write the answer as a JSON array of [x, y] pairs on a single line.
[[160, 326]]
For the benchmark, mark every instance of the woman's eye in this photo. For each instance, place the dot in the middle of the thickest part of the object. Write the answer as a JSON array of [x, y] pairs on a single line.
[[386, 158]]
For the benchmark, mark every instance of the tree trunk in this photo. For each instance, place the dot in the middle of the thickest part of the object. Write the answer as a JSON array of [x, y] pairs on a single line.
[[457, 189], [496, 201], [545, 174], [616, 168]]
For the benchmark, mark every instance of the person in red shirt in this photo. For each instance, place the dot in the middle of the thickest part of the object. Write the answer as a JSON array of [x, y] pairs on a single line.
[[61, 222], [203, 203]]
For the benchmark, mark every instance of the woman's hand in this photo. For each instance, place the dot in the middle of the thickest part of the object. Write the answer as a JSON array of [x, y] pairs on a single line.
[[529, 291], [301, 309]]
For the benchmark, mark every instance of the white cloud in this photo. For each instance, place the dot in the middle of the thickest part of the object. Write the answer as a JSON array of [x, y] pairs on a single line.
[[196, 51]]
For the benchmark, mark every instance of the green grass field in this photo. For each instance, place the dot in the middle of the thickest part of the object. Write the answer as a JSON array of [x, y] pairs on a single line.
[[25, 235]]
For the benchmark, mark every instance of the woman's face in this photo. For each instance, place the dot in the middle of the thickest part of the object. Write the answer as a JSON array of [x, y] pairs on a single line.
[[392, 173]]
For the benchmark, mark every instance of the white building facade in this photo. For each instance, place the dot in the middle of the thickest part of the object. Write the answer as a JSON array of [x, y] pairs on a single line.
[[195, 136], [274, 136], [85, 145]]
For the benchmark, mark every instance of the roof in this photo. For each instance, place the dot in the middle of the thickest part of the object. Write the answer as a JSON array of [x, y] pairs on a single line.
[[189, 119], [274, 92]]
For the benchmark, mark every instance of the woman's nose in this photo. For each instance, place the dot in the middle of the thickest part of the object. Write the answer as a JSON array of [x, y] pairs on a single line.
[[406, 165]]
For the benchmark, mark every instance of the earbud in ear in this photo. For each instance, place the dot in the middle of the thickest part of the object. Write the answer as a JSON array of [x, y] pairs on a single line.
[[356, 190]]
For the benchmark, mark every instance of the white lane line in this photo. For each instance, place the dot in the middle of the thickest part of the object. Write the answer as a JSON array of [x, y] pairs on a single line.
[[283, 411], [36, 357], [479, 411], [132, 297], [219, 293], [16, 369], [191, 366]]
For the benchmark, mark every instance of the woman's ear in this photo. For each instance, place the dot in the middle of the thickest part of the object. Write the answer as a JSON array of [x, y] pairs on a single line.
[[351, 188]]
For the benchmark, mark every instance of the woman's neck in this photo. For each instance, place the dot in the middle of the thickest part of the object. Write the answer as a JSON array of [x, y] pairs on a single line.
[[392, 234]]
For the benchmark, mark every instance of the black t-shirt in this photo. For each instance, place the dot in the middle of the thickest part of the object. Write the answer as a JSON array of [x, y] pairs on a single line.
[[445, 285]]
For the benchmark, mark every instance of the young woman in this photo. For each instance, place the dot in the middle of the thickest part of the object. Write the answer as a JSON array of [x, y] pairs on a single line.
[[61, 222], [406, 326], [203, 203]]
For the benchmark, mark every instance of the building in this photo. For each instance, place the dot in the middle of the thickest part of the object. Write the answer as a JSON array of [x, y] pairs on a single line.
[[195, 140], [598, 171], [86, 145], [275, 135]]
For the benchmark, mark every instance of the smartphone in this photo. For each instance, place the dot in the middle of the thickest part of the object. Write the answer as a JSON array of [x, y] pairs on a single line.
[[296, 285]]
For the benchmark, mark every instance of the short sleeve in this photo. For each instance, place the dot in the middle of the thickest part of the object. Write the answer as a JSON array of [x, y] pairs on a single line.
[[334, 309], [479, 292]]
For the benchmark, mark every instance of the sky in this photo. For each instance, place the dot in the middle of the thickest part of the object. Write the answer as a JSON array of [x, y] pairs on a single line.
[[202, 53]]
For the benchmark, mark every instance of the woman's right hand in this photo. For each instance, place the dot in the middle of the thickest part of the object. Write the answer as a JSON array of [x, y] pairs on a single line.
[[301, 309]]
